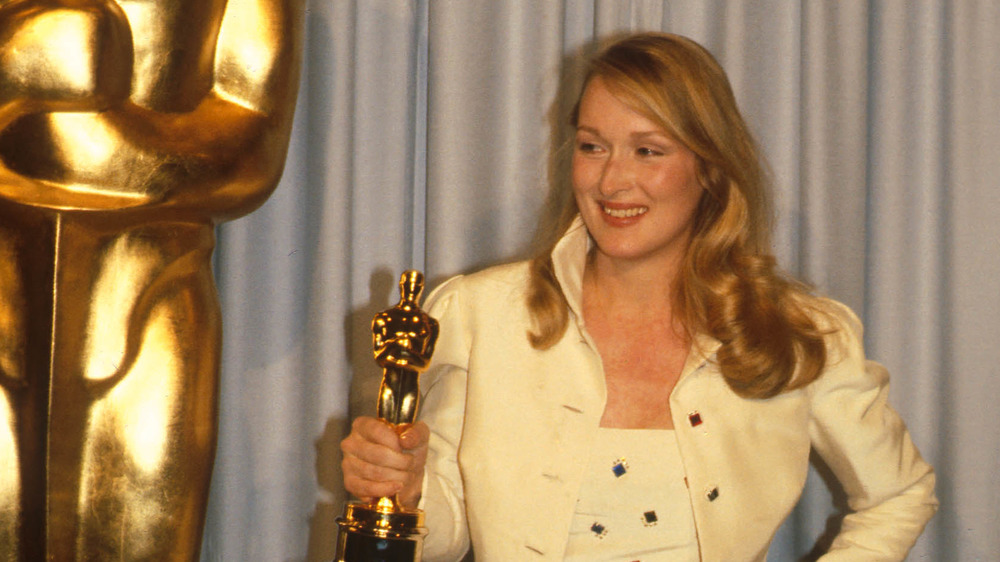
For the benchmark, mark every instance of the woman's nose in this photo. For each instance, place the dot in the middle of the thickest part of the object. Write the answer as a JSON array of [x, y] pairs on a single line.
[[615, 177]]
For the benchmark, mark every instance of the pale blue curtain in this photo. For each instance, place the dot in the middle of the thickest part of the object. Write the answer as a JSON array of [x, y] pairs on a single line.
[[422, 140]]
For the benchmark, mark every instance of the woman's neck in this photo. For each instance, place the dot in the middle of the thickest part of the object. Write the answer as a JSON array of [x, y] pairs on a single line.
[[630, 286]]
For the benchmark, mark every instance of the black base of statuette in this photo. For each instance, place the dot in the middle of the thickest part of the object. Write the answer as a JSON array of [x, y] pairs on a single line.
[[367, 534]]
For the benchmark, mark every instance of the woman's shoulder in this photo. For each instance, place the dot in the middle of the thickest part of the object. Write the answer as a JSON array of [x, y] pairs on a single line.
[[828, 314], [497, 277], [841, 329], [498, 283]]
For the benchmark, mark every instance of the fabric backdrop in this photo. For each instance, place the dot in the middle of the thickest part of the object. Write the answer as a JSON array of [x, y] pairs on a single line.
[[422, 140]]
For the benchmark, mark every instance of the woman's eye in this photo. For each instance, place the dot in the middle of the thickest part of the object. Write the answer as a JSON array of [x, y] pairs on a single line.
[[587, 147], [649, 151]]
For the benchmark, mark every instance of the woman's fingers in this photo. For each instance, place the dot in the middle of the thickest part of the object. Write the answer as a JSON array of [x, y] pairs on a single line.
[[414, 440], [366, 480], [378, 462], [415, 436]]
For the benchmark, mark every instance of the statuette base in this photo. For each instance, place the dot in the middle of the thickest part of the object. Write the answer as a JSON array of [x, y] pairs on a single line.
[[370, 534]]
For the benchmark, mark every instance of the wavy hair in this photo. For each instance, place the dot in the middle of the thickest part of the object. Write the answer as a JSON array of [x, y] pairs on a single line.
[[729, 285]]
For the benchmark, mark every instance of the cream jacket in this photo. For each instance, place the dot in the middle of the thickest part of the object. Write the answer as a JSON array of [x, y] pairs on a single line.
[[511, 427]]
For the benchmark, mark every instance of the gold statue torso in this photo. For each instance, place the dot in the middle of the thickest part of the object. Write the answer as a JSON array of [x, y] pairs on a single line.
[[403, 340], [127, 130]]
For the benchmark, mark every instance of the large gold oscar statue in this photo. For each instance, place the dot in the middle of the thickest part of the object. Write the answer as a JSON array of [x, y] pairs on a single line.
[[128, 128]]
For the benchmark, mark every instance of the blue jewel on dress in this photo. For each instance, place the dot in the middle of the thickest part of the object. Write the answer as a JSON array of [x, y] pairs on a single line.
[[620, 468], [649, 518], [598, 530]]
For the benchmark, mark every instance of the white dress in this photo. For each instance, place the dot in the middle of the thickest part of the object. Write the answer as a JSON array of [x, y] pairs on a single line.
[[634, 504]]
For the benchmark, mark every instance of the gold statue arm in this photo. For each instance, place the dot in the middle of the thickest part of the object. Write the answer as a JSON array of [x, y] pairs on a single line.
[[201, 148], [404, 350], [87, 69]]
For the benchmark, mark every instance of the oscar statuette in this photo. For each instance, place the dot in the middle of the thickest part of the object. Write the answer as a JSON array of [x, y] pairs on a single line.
[[403, 339]]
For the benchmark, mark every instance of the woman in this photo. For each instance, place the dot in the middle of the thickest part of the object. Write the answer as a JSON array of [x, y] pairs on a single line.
[[657, 394]]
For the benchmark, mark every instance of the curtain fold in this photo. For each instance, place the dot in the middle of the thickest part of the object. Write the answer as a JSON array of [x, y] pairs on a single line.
[[423, 138]]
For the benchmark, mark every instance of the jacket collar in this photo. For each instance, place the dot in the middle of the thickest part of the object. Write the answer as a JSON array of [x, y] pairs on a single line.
[[569, 259]]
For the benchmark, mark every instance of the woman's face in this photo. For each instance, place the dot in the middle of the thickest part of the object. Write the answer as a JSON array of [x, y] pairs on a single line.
[[635, 185]]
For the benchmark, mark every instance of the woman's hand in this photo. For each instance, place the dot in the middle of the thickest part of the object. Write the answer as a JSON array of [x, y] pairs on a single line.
[[378, 462]]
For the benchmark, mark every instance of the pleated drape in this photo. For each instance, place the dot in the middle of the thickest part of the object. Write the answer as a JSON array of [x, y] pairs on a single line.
[[423, 138]]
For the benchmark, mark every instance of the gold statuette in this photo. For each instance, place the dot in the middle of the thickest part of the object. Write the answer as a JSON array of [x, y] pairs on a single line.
[[403, 338]]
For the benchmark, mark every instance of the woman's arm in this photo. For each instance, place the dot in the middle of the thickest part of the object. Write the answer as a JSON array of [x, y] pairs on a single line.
[[443, 409], [890, 488], [443, 497]]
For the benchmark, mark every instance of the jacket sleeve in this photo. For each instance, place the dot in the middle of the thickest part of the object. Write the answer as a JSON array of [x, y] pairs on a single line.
[[890, 489], [443, 409]]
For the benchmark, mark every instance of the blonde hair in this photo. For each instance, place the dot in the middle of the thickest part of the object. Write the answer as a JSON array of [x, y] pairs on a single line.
[[729, 286]]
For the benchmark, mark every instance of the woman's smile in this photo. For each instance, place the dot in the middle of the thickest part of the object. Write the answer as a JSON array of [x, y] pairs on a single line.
[[619, 212]]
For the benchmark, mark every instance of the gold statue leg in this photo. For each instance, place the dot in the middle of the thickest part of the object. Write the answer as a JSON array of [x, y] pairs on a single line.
[[147, 367], [122, 423], [136, 451], [399, 394], [24, 329]]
